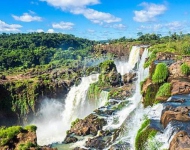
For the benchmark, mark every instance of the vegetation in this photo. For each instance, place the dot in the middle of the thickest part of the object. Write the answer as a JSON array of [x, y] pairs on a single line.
[[144, 133], [26, 146], [24, 51], [150, 94], [108, 78], [160, 73], [164, 90], [75, 122], [185, 69], [31, 128], [8, 133]]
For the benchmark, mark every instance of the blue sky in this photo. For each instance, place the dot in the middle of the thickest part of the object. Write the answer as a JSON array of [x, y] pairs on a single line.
[[95, 19]]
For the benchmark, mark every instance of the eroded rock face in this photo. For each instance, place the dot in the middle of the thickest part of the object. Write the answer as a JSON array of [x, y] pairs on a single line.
[[96, 142], [181, 141], [129, 77], [179, 113], [175, 70], [90, 125], [165, 56], [180, 87]]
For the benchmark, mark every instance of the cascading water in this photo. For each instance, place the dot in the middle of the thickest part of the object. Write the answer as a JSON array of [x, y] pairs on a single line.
[[124, 67], [131, 116], [55, 117]]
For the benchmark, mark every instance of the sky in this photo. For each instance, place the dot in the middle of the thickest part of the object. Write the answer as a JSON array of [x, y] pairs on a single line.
[[95, 19]]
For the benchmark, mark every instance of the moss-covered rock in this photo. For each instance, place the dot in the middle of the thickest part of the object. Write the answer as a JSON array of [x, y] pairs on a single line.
[[160, 74], [149, 95], [144, 133], [164, 91]]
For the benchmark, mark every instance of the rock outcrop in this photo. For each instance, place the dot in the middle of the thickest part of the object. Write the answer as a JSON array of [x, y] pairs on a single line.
[[90, 125], [180, 141], [179, 113]]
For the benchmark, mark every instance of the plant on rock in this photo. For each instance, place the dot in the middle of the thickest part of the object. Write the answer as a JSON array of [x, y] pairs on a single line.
[[160, 73], [185, 69], [164, 90]]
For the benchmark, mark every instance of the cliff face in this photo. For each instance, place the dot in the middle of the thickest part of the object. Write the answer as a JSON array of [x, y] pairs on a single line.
[[20, 97]]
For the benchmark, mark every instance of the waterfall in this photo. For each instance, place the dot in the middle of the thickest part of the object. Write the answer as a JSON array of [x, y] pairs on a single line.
[[124, 67], [131, 116], [55, 117]]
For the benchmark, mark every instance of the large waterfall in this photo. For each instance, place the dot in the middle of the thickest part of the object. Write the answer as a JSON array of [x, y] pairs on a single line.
[[55, 117]]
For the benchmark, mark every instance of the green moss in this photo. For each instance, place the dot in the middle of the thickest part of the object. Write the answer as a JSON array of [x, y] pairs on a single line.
[[144, 133], [6, 134], [121, 105], [160, 73], [116, 94], [151, 58], [75, 122], [185, 69], [150, 94], [164, 90], [26, 146], [31, 128]]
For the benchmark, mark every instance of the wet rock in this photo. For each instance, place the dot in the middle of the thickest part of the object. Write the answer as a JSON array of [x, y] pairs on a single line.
[[97, 143], [180, 141], [90, 125], [129, 77], [179, 114], [78, 148], [69, 139]]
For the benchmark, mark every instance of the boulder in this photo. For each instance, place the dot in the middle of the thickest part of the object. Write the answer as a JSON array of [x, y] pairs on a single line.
[[180, 87], [97, 143], [90, 125], [179, 113], [175, 69], [180, 141], [70, 139]]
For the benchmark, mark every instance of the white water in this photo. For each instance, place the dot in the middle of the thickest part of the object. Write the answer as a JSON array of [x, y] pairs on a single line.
[[124, 67], [131, 116], [55, 117]]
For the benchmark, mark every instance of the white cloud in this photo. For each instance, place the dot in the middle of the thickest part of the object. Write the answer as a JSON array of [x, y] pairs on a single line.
[[80, 8], [119, 26], [4, 27], [90, 31], [39, 30], [69, 4], [149, 13], [50, 31], [174, 26], [63, 25], [27, 18]]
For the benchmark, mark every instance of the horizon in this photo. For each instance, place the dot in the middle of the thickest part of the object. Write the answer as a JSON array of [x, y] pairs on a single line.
[[95, 19]]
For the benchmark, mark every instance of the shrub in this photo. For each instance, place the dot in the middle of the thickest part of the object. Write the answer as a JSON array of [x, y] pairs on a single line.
[[164, 90], [160, 73], [185, 69]]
